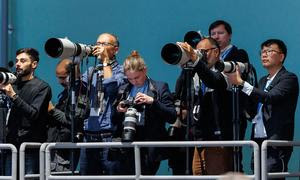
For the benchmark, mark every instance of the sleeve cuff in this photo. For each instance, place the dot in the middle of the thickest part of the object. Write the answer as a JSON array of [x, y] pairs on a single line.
[[247, 88], [196, 62]]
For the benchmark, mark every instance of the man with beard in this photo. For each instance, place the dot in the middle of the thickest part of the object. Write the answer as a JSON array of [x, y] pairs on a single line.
[[60, 120], [30, 97]]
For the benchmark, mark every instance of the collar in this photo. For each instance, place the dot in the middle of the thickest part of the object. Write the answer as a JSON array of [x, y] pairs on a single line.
[[226, 48], [226, 51], [271, 78]]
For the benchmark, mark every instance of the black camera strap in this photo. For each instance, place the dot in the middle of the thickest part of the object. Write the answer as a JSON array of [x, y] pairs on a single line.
[[217, 130]]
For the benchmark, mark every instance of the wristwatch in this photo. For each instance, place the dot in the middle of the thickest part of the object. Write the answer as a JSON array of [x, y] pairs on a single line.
[[106, 64]]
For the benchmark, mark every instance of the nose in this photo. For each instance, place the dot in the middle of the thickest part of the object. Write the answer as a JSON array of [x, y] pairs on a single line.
[[215, 36], [17, 64], [134, 82], [264, 54]]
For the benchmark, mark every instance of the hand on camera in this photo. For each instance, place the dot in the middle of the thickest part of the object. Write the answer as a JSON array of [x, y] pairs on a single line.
[[121, 107], [235, 77], [101, 53], [143, 99], [7, 88], [189, 50]]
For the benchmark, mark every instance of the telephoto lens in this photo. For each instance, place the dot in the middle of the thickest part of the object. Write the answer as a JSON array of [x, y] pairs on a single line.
[[130, 121]]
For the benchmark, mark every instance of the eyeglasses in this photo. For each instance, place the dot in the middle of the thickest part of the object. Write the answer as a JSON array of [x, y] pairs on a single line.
[[105, 44], [217, 33], [207, 50], [269, 52]]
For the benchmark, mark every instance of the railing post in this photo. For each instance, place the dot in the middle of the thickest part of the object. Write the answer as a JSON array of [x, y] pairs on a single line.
[[42, 160], [22, 156], [256, 156], [137, 159]]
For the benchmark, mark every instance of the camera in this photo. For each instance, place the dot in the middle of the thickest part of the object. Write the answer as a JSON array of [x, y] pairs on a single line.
[[63, 48], [7, 78], [132, 118], [174, 54], [175, 130], [230, 66]]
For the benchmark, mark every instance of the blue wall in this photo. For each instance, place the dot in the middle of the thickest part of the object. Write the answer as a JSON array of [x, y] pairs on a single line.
[[147, 25]]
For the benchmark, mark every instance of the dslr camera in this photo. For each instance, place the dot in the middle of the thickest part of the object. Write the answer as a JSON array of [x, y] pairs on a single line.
[[175, 131], [132, 118]]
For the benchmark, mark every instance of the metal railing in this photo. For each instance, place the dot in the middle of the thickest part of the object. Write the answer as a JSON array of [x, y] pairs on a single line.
[[22, 159], [13, 161], [137, 146], [264, 172]]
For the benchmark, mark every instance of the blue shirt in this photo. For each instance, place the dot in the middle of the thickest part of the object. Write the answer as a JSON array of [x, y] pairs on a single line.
[[102, 121]]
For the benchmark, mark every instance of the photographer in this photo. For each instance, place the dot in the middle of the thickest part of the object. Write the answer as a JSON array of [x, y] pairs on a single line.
[[154, 101], [221, 31], [214, 115], [103, 83], [59, 126], [30, 97], [275, 102]]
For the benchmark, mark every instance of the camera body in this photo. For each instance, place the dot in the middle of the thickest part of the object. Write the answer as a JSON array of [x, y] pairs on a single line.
[[132, 119], [175, 131]]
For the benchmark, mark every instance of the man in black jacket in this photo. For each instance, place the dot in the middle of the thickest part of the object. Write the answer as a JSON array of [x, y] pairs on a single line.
[[275, 102], [59, 127], [221, 31], [214, 118], [30, 97]]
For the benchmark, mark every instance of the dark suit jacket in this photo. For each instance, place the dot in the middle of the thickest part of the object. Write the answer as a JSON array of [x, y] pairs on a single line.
[[279, 104], [215, 107]]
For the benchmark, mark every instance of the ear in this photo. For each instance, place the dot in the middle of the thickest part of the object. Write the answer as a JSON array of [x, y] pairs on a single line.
[[34, 64], [281, 58], [116, 50], [216, 52]]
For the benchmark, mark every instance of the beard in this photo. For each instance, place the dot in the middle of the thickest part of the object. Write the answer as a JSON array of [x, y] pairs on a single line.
[[23, 72]]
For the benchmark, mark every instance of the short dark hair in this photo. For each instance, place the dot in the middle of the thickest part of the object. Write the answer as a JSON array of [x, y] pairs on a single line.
[[282, 47], [218, 23], [33, 53]]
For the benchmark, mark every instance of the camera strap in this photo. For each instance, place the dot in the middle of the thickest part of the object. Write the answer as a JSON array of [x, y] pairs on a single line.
[[98, 104], [217, 130]]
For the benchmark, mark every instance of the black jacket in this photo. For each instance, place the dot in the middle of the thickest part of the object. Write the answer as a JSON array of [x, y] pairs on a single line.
[[215, 116], [28, 116], [59, 125], [279, 104]]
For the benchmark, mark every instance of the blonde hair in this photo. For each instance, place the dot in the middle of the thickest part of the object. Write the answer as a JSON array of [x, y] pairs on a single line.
[[134, 62]]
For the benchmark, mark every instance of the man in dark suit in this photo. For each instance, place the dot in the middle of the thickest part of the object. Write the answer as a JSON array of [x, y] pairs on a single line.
[[221, 31], [213, 118], [276, 101], [154, 104]]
